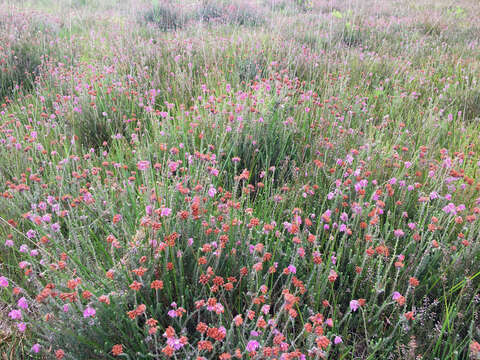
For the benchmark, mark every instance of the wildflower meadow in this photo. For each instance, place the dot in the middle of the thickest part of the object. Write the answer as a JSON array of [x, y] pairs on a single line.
[[246, 179]]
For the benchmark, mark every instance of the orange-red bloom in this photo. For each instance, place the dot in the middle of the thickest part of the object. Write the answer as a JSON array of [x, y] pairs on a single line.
[[117, 349]]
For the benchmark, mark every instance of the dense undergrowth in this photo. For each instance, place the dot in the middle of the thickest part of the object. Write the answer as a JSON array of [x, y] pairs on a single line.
[[217, 180]]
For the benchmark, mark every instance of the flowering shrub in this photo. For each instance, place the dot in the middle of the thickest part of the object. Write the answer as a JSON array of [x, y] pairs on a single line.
[[240, 194]]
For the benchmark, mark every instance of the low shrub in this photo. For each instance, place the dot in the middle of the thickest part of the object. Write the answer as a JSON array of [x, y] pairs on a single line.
[[165, 16]]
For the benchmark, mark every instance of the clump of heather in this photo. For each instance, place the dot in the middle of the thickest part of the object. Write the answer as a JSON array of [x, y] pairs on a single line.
[[28, 39], [164, 16], [243, 13], [255, 182]]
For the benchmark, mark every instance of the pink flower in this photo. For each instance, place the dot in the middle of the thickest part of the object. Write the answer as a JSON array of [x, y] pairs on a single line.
[[21, 326], [211, 192], [398, 233], [3, 281], [292, 269], [354, 305], [252, 345], [165, 211], [337, 340], [88, 198], [149, 209], [22, 303], [173, 166], [89, 312], [143, 165], [15, 314], [174, 343], [217, 308], [396, 295], [36, 348]]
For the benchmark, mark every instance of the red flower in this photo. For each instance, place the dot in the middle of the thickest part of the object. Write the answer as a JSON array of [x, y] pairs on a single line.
[[414, 282], [59, 354], [475, 347], [117, 349], [157, 284], [168, 350], [135, 286], [322, 342], [332, 276]]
